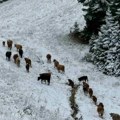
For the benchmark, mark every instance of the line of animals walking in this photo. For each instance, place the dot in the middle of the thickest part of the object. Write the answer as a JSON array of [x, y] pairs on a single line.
[[45, 77], [88, 90]]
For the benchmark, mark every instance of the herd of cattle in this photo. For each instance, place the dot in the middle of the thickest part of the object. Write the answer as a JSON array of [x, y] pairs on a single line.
[[88, 90], [45, 77], [16, 57]]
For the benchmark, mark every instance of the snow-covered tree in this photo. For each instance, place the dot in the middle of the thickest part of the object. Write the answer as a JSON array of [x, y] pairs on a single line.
[[115, 8], [106, 49], [95, 15], [118, 15], [74, 31]]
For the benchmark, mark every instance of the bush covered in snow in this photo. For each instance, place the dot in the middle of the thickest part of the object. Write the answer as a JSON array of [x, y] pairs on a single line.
[[105, 49], [75, 30], [76, 34]]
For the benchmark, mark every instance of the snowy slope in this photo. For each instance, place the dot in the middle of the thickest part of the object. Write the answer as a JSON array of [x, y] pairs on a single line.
[[42, 27]]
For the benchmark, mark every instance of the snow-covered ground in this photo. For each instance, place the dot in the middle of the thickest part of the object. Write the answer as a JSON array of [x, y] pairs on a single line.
[[42, 27]]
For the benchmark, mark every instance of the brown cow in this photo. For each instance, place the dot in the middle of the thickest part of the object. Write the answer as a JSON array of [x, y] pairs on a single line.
[[9, 43], [85, 87], [115, 116], [60, 68], [18, 61], [48, 56], [27, 60], [18, 46], [90, 91], [101, 104], [55, 63], [14, 57], [94, 99], [100, 109]]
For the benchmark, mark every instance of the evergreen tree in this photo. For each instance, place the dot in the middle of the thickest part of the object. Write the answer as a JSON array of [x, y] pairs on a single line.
[[95, 15], [118, 15], [76, 29], [106, 49], [115, 8]]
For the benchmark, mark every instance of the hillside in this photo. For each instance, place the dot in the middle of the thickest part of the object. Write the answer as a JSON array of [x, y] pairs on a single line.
[[42, 27]]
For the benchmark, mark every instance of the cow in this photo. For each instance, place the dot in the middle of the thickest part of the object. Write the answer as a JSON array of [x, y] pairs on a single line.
[[8, 55], [27, 67], [18, 61], [115, 116], [71, 83], [21, 53], [94, 98], [9, 43], [55, 63], [83, 78], [100, 109], [14, 57], [3, 43], [27, 60], [101, 104], [90, 91], [60, 68], [18, 46], [48, 56], [45, 77], [85, 87]]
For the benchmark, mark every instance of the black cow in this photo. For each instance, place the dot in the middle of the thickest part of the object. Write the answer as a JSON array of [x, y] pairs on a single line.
[[83, 78], [27, 67], [8, 55], [21, 52], [3, 43], [48, 56], [71, 83], [45, 77]]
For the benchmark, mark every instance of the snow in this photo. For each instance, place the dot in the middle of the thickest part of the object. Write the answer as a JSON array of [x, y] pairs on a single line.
[[42, 27]]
